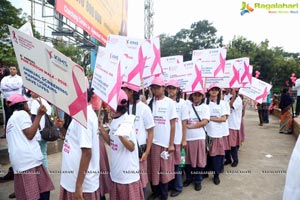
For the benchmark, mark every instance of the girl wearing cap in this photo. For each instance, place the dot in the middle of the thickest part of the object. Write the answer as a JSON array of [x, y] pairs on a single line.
[[143, 125], [180, 134], [216, 130], [31, 179], [234, 124], [161, 163], [80, 158], [196, 150], [124, 166]]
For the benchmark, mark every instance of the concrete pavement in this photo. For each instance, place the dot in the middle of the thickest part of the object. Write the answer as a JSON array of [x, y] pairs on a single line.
[[263, 160]]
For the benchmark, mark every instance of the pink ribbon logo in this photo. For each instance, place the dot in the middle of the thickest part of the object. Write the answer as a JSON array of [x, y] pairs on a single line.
[[80, 103], [221, 66], [246, 73], [263, 95], [115, 90], [235, 78], [156, 61], [198, 78], [139, 68]]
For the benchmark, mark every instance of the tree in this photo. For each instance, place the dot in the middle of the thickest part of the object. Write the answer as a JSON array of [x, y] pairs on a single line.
[[201, 35], [9, 15], [78, 55]]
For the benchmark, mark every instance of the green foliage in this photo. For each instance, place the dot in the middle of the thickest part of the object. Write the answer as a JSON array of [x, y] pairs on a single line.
[[275, 65], [9, 15], [78, 55], [201, 35]]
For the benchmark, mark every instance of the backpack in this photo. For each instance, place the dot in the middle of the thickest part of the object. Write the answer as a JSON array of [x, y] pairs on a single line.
[[49, 132]]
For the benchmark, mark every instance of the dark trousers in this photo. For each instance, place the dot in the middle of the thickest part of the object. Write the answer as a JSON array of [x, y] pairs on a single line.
[[177, 183], [193, 173], [232, 153], [216, 164], [161, 189], [261, 108], [45, 196]]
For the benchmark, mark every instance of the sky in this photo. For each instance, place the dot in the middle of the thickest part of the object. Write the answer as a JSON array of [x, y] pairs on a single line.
[[172, 15]]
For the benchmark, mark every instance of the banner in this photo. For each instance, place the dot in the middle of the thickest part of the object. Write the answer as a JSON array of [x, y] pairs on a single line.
[[188, 75], [107, 78], [245, 71], [167, 63], [98, 18], [151, 49], [51, 75], [132, 57], [231, 77], [26, 28], [258, 91], [210, 61]]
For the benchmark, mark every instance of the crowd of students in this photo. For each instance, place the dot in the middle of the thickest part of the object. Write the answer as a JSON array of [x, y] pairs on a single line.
[[207, 124]]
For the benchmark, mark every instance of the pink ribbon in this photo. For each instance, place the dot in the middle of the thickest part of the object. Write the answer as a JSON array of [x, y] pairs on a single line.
[[198, 78], [262, 96], [235, 77], [221, 66], [246, 73], [156, 59], [139, 68], [80, 103], [115, 90]]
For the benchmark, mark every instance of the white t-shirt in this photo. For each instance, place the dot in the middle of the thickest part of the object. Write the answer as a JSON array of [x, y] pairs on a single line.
[[217, 129], [143, 121], [11, 85], [226, 127], [34, 107], [124, 166], [182, 113], [163, 111], [78, 137], [297, 86], [204, 113], [235, 117], [24, 154]]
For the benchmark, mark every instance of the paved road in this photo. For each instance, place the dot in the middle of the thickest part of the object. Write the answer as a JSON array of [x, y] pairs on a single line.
[[260, 174]]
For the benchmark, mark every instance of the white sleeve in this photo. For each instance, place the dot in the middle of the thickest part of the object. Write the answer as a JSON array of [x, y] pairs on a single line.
[[34, 107], [184, 111], [237, 104], [205, 114], [297, 83], [172, 111], [224, 109], [25, 120], [85, 135], [148, 118]]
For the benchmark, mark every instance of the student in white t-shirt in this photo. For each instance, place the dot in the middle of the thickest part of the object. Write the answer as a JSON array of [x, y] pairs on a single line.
[[198, 118], [234, 123], [174, 93], [35, 104], [143, 125], [30, 176], [161, 161], [216, 129], [80, 169], [124, 166]]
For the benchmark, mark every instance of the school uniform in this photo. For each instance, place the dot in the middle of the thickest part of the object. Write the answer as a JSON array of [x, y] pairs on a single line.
[[216, 130], [161, 171], [104, 178], [234, 123], [143, 122], [29, 168], [182, 113], [196, 149], [78, 137], [124, 168]]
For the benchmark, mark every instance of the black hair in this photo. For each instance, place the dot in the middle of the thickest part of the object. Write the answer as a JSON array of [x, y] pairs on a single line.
[[208, 97], [178, 94], [136, 97], [90, 92], [285, 90], [17, 106], [122, 109], [192, 100]]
